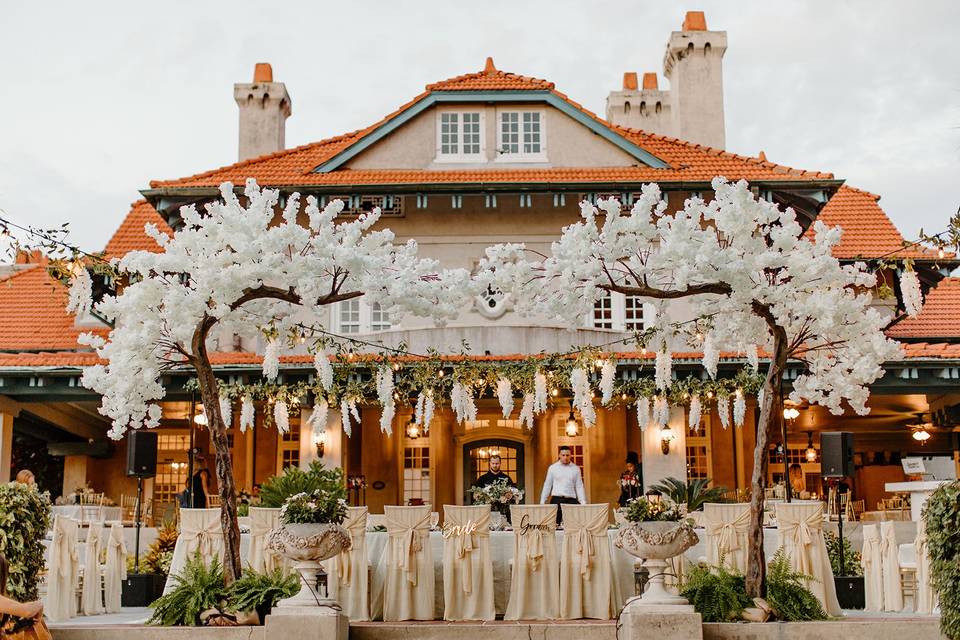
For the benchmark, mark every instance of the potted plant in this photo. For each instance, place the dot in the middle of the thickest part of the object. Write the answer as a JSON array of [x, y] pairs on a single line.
[[310, 533], [499, 494], [198, 588], [655, 531], [260, 592], [848, 575]]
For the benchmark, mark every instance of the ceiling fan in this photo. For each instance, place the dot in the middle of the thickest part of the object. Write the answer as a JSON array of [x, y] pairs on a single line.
[[921, 429]]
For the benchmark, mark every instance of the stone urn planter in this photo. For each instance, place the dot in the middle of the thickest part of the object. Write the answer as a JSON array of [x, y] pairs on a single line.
[[655, 543], [307, 546]]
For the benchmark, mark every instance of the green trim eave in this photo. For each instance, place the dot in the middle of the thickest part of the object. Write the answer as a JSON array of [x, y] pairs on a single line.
[[440, 97]]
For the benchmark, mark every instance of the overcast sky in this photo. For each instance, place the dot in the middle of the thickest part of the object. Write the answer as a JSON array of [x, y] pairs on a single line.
[[99, 98]]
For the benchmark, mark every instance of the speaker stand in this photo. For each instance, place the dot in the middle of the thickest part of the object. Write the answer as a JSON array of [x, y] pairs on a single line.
[[136, 544]]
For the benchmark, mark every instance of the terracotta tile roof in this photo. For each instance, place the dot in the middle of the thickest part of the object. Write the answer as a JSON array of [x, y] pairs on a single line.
[[34, 316], [939, 318], [130, 235], [687, 162], [867, 231], [932, 350]]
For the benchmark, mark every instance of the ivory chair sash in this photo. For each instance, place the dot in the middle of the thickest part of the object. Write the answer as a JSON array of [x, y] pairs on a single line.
[[262, 521], [91, 599], [467, 565], [800, 526], [409, 585], [350, 586], [925, 598], [585, 575], [727, 527], [535, 582], [889, 551], [200, 530], [63, 570], [872, 565], [115, 568]]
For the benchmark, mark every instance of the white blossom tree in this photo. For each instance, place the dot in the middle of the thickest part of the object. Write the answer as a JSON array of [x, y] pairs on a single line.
[[753, 282], [248, 268]]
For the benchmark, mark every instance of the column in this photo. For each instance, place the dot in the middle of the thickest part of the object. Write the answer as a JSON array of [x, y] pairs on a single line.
[[656, 464], [6, 446]]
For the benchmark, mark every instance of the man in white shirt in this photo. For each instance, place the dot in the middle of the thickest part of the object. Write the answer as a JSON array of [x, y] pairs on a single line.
[[564, 484]]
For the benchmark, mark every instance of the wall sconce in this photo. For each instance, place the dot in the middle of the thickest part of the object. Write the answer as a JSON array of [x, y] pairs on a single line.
[[666, 437], [320, 441], [413, 430], [791, 413], [572, 427]]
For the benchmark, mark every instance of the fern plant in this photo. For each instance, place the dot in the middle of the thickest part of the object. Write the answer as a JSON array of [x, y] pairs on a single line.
[[790, 600], [294, 480], [260, 591], [693, 493], [716, 593], [198, 588]]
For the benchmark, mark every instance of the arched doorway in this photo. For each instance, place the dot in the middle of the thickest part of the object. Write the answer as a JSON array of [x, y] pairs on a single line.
[[476, 456]]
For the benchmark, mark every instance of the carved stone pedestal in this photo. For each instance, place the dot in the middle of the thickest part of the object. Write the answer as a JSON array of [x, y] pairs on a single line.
[[663, 622], [306, 623]]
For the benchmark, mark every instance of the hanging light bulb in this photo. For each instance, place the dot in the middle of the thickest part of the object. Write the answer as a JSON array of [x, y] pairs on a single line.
[[921, 435], [413, 430], [572, 428], [791, 413], [811, 453]]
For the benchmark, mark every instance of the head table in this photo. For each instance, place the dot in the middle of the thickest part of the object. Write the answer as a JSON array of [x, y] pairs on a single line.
[[87, 512], [501, 553]]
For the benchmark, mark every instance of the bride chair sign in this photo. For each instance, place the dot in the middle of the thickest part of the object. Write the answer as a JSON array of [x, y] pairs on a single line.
[[535, 582], [467, 567]]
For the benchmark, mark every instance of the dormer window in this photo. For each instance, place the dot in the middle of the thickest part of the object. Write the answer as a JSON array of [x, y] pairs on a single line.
[[520, 136], [460, 136]]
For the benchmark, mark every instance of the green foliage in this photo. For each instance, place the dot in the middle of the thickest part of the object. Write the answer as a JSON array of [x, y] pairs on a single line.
[[643, 510], [295, 480], [693, 493], [243, 509], [941, 517], [24, 520], [159, 554], [716, 593], [253, 590], [198, 588], [851, 559], [317, 507], [790, 600]]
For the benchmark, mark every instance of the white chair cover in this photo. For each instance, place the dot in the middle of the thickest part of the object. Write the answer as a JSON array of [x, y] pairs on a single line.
[[91, 600], [115, 569], [467, 566], [889, 551], [872, 565], [925, 598], [585, 576], [200, 530], [535, 583], [800, 525], [727, 527], [348, 570], [262, 521], [63, 570], [409, 585]]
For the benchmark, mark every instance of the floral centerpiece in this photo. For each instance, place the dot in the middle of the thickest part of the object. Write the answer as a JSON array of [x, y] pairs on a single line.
[[499, 494], [656, 531], [310, 533]]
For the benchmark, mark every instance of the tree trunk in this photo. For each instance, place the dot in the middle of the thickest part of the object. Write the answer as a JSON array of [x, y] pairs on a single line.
[[210, 395], [756, 562]]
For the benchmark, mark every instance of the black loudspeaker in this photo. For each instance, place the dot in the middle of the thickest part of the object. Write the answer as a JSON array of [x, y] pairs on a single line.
[[142, 454], [141, 589], [836, 454]]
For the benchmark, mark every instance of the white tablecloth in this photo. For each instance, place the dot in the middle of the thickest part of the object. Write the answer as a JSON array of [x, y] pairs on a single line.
[[87, 512]]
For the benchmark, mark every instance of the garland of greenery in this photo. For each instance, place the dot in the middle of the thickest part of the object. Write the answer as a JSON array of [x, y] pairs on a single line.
[[24, 520], [941, 517]]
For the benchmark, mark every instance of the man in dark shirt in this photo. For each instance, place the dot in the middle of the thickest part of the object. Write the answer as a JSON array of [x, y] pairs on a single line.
[[494, 474]]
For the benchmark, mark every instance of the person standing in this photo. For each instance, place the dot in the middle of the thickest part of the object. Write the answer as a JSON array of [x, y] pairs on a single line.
[[563, 484], [25, 476], [494, 473], [631, 480]]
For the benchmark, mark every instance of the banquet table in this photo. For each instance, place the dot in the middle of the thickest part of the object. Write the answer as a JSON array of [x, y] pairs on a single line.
[[87, 512]]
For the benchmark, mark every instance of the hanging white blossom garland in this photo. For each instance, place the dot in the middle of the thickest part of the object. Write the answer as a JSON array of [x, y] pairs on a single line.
[[428, 409], [696, 412], [461, 401], [281, 416], [661, 411], [663, 369], [321, 362], [526, 411], [739, 408], [81, 294], [643, 412], [723, 408], [910, 290], [580, 385], [608, 374], [318, 417], [505, 396], [271, 359], [711, 356], [226, 410], [346, 408], [385, 398], [247, 414], [753, 357], [539, 393]]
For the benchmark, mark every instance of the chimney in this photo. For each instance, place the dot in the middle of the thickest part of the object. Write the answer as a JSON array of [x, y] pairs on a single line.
[[630, 81], [640, 106], [264, 108], [694, 65]]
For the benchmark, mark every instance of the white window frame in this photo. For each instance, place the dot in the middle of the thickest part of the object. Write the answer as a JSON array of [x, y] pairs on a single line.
[[520, 156], [367, 319], [460, 156], [619, 315]]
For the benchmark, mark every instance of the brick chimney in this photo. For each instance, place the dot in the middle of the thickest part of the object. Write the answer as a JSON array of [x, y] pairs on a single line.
[[693, 63], [265, 106]]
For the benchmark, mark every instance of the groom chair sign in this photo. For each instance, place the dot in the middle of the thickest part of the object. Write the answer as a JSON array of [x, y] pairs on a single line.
[[467, 567], [535, 582]]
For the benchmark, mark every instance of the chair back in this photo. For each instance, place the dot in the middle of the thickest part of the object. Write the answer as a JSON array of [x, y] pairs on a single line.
[[114, 569], [727, 530], [585, 572], [800, 526], [535, 576], [213, 501], [349, 569], [263, 520], [409, 532], [63, 570], [467, 565], [91, 596], [201, 531], [409, 585]]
